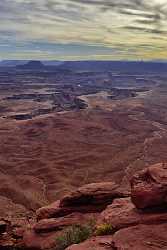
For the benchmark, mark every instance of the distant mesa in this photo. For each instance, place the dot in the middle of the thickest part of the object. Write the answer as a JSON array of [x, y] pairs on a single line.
[[32, 65], [14, 63]]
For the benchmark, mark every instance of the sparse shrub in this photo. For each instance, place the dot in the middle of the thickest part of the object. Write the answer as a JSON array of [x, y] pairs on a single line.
[[73, 235], [104, 229]]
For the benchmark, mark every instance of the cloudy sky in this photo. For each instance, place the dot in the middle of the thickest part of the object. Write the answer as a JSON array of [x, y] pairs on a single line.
[[83, 29]]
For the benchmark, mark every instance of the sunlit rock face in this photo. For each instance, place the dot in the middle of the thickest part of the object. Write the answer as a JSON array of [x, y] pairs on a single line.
[[149, 188]]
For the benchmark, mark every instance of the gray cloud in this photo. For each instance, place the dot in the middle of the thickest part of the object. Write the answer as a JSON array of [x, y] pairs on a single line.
[[154, 31], [107, 23]]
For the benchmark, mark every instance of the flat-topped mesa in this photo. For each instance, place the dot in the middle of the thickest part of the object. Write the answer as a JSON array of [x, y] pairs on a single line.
[[149, 187], [32, 65], [92, 197]]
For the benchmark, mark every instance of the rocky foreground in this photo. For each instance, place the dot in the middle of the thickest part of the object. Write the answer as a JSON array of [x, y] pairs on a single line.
[[121, 220]]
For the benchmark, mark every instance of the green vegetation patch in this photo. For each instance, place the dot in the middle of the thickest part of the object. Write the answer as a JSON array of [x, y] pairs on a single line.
[[73, 235], [104, 229]]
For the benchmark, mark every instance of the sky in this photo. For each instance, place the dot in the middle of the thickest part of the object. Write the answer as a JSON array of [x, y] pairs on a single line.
[[83, 29]]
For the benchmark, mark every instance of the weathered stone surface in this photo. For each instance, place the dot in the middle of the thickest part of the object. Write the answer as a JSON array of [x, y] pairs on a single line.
[[54, 224], [93, 194], [6, 242], [95, 243], [32, 240], [13, 231], [51, 211], [54, 211], [19, 226], [149, 187], [122, 213], [141, 237], [90, 198]]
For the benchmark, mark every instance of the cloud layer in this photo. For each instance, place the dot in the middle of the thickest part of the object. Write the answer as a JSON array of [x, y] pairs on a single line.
[[83, 29]]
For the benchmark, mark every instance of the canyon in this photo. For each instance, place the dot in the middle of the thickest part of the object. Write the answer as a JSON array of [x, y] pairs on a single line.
[[62, 128]]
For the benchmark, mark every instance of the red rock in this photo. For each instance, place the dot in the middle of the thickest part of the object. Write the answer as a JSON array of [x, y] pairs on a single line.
[[12, 232], [31, 240], [90, 198], [149, 187], [55, 211], [141, 237], [93, 194], [54, 224], [51, 211], [95, 243], [6, 242], [122, 213], [10, 210], [19, 226]]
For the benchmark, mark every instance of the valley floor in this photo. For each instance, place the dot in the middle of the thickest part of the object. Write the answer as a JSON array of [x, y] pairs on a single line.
[[43, 158]]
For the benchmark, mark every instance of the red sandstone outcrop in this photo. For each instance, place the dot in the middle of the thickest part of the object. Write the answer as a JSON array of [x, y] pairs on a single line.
[[89, 198], [95, 243], [149, 187], [56, 224], [37, 241], [123, 213], [44, 233], [50, 211], [98, 194], [137, 229], [141, 237], [134, 226], [79, 207]]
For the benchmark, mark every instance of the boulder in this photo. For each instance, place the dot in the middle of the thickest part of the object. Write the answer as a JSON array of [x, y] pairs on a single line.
[[141, 237], [32, 240], [122, 213], [95, 243], [55, 211], [149, 187], [51, 211], [55, 224], [90, 198], [97, 194]]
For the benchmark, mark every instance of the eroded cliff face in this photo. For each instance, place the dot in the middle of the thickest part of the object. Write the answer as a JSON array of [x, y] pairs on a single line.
[[131, 221]]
